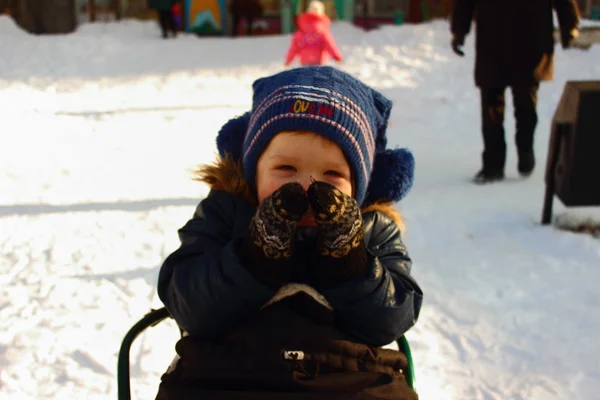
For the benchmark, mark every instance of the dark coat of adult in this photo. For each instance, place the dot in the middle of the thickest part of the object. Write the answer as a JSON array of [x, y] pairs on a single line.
[[161, 5], [246, 8], [239, 331], [514, 38]]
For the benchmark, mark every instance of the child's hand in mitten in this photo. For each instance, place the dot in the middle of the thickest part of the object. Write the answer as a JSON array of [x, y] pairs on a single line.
[[339, 219], [273, 226], [342, 256]]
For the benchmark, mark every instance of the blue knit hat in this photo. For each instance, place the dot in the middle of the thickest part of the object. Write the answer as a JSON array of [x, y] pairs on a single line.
[[335, 105]]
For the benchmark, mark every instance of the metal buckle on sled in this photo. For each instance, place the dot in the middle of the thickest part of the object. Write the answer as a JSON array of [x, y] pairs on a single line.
[[293, 355]]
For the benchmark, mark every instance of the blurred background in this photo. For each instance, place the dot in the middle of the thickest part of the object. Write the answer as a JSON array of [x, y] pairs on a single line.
[[102, 122], [62, 16]]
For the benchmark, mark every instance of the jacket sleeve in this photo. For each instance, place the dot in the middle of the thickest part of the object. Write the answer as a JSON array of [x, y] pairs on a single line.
[[462, 16], [294, 48], [381, 306], [203, 284], [568, 15], [331, 46]]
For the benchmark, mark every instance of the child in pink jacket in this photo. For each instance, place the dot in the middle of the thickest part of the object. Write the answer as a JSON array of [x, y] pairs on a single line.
[[313, 41]]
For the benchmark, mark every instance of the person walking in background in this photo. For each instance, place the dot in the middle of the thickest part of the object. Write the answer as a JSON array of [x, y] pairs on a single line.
[[166, 18], [313, 41], [244, 9], [178, 16], [514, 47]]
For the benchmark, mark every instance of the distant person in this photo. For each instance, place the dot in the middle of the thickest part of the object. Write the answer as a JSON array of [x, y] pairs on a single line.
[[313, 41], [178, 16], [244, 9], [166, 17], [514, 47]]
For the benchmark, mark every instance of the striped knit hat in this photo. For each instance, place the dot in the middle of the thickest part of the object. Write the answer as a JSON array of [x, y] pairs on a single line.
[[331, 103]]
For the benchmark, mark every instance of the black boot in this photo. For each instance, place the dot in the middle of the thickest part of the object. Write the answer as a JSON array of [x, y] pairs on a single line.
[[483, 177], [526, 163]]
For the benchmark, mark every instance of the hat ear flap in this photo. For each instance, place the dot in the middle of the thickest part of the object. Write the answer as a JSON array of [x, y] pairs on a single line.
[[230, 139], [392, 177], [383, 105]]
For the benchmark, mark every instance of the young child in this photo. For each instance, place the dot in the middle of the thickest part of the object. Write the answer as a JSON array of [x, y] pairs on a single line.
[[292, 272], [313, 41]]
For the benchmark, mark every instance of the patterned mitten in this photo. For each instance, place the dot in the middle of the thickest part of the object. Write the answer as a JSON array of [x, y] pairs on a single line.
[[274, 224], [339, 219], [339, 242], [267, 250]]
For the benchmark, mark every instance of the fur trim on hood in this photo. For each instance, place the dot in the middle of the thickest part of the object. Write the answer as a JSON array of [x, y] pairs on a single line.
[[227, 175]]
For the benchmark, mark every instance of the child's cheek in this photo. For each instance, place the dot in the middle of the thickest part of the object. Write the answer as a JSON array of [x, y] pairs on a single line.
[[267, 188]]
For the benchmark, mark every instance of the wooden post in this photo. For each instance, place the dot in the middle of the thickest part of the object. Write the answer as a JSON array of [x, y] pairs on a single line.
[[551, 185], [118, 11], [588, 8], [349, 11], [286, 17], [92, 10]]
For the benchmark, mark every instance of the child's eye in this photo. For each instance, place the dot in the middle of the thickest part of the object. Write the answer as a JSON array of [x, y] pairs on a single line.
[[285, 168], [334, 173]]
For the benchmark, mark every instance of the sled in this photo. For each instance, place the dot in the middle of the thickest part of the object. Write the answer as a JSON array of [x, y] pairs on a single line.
[[154, 317]]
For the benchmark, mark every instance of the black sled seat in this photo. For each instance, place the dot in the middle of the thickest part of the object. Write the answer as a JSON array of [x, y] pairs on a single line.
[[154, 317]]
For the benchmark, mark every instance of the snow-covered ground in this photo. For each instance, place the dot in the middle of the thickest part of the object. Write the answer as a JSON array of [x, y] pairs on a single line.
[[588, 23], [99, 130]]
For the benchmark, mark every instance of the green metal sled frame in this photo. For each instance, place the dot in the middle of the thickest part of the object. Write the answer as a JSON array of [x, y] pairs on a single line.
[[154, 317]]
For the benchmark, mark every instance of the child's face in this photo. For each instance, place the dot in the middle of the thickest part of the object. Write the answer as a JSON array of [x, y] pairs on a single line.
[[301, 157]]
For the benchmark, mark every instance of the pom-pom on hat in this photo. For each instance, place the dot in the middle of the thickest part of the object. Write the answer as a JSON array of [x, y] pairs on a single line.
[[335, 105]]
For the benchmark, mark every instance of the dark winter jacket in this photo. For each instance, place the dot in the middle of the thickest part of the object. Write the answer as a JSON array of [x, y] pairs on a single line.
[[246, 8], [161, 5], [238, 326], [514, 38]]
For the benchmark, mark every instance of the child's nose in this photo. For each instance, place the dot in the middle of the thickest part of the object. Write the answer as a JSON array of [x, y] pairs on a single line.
[[306, 180]]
